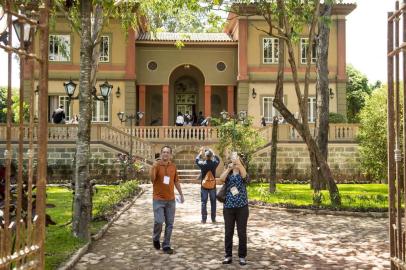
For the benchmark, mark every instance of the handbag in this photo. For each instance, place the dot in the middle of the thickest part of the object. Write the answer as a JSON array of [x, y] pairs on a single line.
[[209, 182], [221, 194]]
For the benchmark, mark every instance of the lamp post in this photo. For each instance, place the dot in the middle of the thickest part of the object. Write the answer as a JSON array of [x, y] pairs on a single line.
[[105, 90], [241, 116], [130, 117]]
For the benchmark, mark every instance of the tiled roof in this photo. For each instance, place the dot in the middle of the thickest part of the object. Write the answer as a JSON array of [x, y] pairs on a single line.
[[185, 37]]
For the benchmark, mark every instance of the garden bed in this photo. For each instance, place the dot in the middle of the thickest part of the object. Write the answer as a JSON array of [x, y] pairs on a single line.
[[60, 243]]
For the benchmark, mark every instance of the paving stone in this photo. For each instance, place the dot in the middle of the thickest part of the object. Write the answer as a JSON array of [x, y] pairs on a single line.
[[276, 240]]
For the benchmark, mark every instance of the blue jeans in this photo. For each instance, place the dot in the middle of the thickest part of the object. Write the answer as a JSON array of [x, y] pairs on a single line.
[[164, 211], [205, 193]]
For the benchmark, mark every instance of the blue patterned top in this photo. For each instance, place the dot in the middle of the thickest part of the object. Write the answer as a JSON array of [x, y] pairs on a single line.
[[239, 200]]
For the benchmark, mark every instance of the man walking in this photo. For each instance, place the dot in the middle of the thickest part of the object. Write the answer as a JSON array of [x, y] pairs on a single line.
[[209, 164], [164, 178]]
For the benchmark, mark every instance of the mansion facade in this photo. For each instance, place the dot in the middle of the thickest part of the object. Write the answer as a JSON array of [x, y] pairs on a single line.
[[232, 71]]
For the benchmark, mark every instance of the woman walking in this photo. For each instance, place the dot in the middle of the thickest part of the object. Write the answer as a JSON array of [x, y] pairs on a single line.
[[235, 209]]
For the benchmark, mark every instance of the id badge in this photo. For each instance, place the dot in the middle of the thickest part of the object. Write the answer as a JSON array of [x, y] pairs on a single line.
[[166, 180], [234, 191]]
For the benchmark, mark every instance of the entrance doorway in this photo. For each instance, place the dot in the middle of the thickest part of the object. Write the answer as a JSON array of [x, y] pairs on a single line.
[[186, 95]]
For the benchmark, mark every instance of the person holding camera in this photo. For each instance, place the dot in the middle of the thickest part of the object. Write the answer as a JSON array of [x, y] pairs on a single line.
[[235, 209], [208, 166], [164, 177]]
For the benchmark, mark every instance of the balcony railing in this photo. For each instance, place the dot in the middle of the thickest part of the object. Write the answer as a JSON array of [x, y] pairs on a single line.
[[145, 137]]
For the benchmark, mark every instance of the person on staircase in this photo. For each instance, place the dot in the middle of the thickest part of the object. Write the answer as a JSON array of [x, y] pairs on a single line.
[[207, 164]]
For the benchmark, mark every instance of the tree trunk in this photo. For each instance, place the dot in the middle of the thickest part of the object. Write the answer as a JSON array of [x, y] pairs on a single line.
[[274, 143], [322, 94], [302, 128], [82, 200]]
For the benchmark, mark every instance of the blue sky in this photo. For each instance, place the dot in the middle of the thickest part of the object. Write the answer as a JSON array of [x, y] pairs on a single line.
[[366, 41]]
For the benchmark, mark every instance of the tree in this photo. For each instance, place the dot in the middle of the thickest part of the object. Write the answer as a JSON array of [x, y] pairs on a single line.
[[79, 14], [291, 17], [373, 134], [274, 149], [358, 89], [322, 94], [15, 106], [241, 137]]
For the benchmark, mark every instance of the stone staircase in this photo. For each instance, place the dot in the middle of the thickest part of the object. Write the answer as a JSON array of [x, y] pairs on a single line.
[[189, 176]]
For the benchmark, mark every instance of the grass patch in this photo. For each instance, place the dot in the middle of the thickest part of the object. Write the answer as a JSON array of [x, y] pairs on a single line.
[[354, 197], [60, 244]]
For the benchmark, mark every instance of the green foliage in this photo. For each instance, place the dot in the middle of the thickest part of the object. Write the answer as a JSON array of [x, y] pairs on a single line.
[[60, 243], [15, 106], [373, 133], [246, 139], [105, 204], [358, 89], [354, 197], [337, 118]]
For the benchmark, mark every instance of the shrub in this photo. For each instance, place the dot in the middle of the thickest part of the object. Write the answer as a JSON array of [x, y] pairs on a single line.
[[107, 203], [337, 118]]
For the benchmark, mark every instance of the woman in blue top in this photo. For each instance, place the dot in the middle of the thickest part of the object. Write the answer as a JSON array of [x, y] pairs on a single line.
[[235, 209]]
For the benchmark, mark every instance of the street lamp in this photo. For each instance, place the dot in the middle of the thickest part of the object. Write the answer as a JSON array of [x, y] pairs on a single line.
[[105, 90], [130, 117], [241, 116]]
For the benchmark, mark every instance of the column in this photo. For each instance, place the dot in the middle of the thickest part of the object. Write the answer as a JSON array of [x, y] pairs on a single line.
[[165, 105], [141, 102], [242, 49], [230, 99], [207, 100], [341, 74], [130, 51]]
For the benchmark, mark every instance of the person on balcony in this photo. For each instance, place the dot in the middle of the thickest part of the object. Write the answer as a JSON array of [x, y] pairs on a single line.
[[180, 120], [58, 116], [164, 177], [200, 119], [209, 163]]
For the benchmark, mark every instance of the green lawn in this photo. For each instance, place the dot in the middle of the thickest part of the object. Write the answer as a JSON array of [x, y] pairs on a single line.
[[60, 243], [356, 197]]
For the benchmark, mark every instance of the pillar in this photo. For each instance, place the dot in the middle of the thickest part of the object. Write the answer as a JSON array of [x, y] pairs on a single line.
[[141, 102], [165, 105], [230, 99], [207, 100]]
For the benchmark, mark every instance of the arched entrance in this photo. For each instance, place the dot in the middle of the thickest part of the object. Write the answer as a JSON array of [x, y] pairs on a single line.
[[186, 85]]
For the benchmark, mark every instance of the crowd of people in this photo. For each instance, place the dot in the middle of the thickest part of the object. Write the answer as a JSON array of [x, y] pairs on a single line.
[[188, 119], [165, 178]]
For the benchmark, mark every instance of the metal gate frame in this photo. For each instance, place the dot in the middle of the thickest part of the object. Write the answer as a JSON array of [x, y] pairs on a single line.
[[22, 230], [396, 164]]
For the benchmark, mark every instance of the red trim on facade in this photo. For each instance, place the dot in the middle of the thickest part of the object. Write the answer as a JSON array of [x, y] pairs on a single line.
[[74, 67], [141, 102], [130, 64], [275, 69], [207, 100], [341, 74], [165, 105], [242, 50], [230, 99]]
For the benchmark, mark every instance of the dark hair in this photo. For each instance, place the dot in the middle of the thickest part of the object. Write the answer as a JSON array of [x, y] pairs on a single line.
[[166, 146]]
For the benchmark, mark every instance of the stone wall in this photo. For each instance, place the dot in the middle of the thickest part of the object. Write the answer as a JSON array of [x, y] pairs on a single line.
[[293, 161]]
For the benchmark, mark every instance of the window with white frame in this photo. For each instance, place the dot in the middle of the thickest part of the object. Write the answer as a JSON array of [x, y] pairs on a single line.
[[101, 111], [268, 110], [270, 50], [104, 49], [304, 45], [64, 101], [59, 48], [311, 109]]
